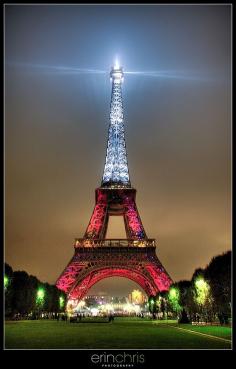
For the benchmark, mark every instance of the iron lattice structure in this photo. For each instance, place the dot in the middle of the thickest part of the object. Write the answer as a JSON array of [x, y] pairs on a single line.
[[97, 257], [116, 167]]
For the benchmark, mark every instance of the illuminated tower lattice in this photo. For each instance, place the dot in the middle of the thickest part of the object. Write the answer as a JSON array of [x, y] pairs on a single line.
[[116, 168], [97, 257]]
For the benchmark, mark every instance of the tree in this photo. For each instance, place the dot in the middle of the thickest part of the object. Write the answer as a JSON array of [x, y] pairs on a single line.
[[40, 299], [8, 275], [21, 302], [58, 299], [8, 278], [174, 299], [218, 273], [199, 272], [186, 300], [48, 297], [203, 297], [152, 305], [184, 289], [162, 303], [62, 302], [33, 284], [24, 292], [184, 319]]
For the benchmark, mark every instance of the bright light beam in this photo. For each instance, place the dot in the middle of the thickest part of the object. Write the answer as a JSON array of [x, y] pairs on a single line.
[[166, 74], [73, 70], [58, 69]]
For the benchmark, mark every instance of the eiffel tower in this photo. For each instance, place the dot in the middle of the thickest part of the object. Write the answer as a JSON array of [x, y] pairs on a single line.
[[96, 257]]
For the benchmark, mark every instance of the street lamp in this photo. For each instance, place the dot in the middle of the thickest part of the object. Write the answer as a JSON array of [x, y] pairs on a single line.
[[152, 306], [203, 290], [61, 302], [202, 293], [173, 293], [173, 298], [40, 295], [200, 282], [6, 282]]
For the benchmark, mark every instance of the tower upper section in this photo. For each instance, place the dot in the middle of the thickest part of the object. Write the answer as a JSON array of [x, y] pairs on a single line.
[[116, 172]]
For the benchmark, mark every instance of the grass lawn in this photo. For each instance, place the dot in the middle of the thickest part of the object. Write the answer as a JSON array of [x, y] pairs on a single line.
[[123, 333], [224, 332]]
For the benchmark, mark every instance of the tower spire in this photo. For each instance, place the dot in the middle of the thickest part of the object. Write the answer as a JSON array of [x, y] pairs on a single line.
[[116, 172]]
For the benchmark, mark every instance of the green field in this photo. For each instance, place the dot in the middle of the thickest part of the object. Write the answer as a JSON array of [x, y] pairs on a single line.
[[123, 333]]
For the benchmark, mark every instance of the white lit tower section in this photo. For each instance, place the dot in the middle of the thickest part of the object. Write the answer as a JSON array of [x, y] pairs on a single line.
[[116, 172]]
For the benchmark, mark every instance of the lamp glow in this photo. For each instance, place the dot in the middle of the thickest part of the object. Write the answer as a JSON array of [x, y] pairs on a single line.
[[61, 302], [203, 290], [6, 281], [174, 299], [40, 296], [173, 293], [200, 283]]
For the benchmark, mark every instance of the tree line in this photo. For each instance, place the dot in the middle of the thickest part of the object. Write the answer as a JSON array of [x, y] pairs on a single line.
[[206, 297], [26, 295]]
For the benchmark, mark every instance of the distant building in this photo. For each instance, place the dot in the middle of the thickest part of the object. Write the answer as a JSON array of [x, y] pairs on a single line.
[[137, 297], [97, 299]]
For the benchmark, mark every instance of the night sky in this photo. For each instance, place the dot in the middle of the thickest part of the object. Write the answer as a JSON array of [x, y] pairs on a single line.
[[177, 119]]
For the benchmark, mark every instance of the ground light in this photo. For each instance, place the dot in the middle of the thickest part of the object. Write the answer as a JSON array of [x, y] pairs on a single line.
[[6, 281], [173, 292], [174, 297], [40, 296], [202, 289], [61, 302], [151, 305]]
